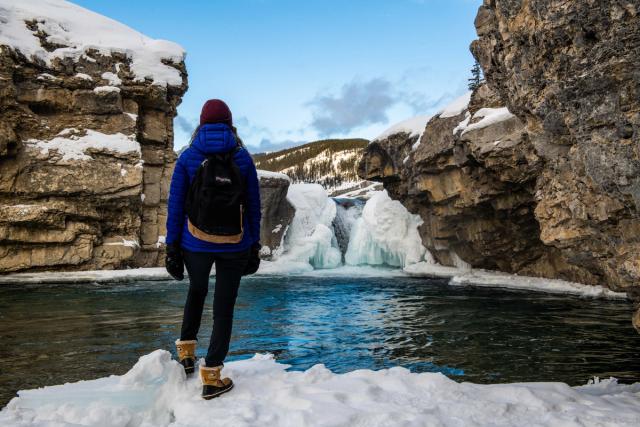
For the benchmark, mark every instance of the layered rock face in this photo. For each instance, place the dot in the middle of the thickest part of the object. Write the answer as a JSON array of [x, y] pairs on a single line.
[[86, 140], [540, 173], [569, 71], [471, 177]]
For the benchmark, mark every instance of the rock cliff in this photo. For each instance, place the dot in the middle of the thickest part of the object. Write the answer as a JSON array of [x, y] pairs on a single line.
[[277, 212], [86, 138], [540, 173]]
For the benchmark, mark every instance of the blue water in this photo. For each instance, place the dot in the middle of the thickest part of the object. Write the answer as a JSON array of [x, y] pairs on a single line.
[[55, 334]]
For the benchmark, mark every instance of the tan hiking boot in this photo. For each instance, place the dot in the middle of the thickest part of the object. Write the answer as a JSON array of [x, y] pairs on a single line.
[[187, 354], [212, 384]]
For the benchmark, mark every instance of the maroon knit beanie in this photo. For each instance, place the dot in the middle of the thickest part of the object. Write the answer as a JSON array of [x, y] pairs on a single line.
[[215, 111]]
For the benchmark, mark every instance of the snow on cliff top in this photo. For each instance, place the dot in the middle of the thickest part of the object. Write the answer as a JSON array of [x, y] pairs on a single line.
[[416, 125], [413, 126], [457, 106], [80, 30]]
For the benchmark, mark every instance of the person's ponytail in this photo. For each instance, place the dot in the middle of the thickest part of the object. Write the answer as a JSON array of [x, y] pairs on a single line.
[[195, 133]]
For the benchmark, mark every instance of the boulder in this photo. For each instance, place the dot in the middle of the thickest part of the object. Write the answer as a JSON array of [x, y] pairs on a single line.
[[277, 212]]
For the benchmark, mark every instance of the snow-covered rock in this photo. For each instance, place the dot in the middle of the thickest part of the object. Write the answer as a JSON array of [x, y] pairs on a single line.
[[277, 212], [413, 127], [156, 392], [49, 30], [86, 128]]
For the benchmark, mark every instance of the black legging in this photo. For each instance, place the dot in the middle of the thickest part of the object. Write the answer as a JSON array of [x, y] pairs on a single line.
[[229, 268]]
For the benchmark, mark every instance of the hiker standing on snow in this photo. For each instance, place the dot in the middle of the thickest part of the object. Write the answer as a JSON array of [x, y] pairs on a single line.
[[213, 217]]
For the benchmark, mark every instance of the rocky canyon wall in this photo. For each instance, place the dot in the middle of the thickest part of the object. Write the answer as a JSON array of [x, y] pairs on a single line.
[[540, 172], [86, 140]]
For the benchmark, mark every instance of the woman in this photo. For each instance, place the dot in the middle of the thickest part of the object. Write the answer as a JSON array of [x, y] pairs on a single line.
[[212, 174]]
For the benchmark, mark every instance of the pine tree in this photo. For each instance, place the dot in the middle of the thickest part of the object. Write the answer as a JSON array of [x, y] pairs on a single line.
[[476, 77]]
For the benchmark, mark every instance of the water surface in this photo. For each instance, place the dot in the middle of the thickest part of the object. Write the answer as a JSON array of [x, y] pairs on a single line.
[[56, 334]]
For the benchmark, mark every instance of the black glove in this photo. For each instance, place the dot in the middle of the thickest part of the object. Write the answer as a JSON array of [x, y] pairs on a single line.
[[173, 262], [254, 259]]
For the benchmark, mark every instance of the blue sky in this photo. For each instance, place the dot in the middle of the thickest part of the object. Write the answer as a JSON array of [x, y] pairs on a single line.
[[296, 71]]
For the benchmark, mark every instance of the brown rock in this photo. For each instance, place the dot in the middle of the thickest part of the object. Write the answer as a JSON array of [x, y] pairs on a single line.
[[81, 211], [277, 212]]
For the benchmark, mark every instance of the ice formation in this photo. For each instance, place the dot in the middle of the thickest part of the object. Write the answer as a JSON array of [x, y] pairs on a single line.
[[155, 392], [310, 237], [382, 233], [347, 213], [385, 234]]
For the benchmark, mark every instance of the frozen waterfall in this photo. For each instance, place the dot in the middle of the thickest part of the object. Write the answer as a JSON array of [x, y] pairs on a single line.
[[310, 238], [325, 233], [347, 213], [385, 234]]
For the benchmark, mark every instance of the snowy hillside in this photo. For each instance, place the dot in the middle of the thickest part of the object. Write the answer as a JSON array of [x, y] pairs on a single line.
[[331, 163]]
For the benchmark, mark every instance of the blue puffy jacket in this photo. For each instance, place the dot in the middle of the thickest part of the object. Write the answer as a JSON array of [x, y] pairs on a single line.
[[211, 139]]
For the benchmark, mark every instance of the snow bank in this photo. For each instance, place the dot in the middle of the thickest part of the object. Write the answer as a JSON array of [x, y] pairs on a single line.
[[79, 30], [89, 276], [511, 281], [457, 106], [155, 392], [309, 239], [489, 116], [74, 147], [386, 233], [413, 126], [494, 279]]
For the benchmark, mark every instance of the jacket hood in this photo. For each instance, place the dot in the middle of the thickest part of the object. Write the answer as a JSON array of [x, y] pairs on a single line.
[[213, 138]]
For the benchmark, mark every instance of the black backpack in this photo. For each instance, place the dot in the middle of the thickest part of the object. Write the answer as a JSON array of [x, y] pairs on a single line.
[[216, 200]]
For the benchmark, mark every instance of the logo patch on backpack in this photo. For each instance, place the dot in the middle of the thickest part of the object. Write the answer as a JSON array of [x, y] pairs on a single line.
[[216, 200]]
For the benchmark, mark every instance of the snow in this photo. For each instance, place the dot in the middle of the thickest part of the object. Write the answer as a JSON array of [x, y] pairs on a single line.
[[104, 89], [156, 392], [112, 78], [413, 126], [47, 76], [456, 107], [74, 147], [89, 276], [269, 174], [309, 239], [494, 279], [133, 243], [386, 233], [80, 30], [463, 124], [480, 278], [363, 192], [489, 116], [83, 76]]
